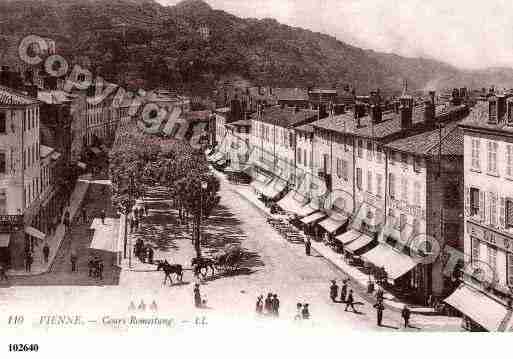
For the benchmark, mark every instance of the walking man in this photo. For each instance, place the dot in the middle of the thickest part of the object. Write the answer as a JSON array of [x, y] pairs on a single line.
[[28, 261], [150, 254], [350, 301], [197, 296], [333, 290], [308, 246], [379, 312], [405, 314], [74, 258], [259, 304], [276, 305], [268, 304], [343, 291], [102, 216], [3, 270], [305, 312], [46, 252]]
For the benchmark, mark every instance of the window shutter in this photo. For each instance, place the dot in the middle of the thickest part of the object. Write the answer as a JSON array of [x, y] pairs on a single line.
[[482, 211], [502, 213], [467, 201]]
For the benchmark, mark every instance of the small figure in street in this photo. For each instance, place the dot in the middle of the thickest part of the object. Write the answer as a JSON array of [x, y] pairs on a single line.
[[343, 291], [260, 304], [380, 294], [197, 296], [74, 259], [131, 306], [84, 215], [28, 261], [405, 314], [154, 306], [102, 216], [299, 314], [150, 254], [268, 304], [350, 301], [100, 269], [142, 306], [3, 273], [276, 305], [308, 246], [305, 312], [46, 252], [333, 291], [379, 312], [90, 265]]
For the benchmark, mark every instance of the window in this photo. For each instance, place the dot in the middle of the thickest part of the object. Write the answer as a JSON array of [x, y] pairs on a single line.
[[291, 139], [509, 213], [492, 157], [325, 163], [2, 122], [360, 149], [404, 189], [417, 164], [369, 150], [345, 170], [379, 154], [476, 154], [492, 258], [391, 185], [475, 250], [509, 160], [392, 159], [510, 269], [379, 184], [305, 159], [299, 155], [474, 201], [359, 178], [492, 207], [416, 193], [2, 162], [369, 181], [339, 168]]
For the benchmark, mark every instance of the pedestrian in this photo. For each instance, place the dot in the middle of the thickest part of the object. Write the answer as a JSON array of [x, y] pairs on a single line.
[[299, 308], [350, 301], [197, 296], [405, 314], [90, 265], [259, 304], [74, 261], [150, 254], [276, 305], [305, 312], [308, 246], [46, 252], [380, 294], [142, 306], [268, 304], [102, 216], [379, 312], [100, 268], [3, 271], [343, 291], [28, 261], [131, 306], [153, 305], [84, 215], [333, 290]]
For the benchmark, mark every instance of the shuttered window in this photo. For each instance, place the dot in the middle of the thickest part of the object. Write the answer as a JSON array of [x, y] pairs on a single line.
[[404, 189], [379, 184], [475, 250], [391, 185], [509, 160], [482, 207], [359, 178], [369, 150], [369, 181], [492, 258], [510, 269], [492, 156], [492, 209], [509, 212], [476, 144]]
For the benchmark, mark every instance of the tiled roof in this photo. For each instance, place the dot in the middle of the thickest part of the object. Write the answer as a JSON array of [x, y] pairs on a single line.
[[478, 119], [287, 116], [9, 96]]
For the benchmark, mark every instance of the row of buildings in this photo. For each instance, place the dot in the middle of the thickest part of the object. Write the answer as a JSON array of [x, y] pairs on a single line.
[[375, 179]]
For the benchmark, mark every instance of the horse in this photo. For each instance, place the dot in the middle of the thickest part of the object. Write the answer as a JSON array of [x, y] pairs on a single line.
[[170, 269], [203, 263]]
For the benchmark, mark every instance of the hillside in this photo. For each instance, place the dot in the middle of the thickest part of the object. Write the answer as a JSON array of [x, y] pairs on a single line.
[[164, 46]]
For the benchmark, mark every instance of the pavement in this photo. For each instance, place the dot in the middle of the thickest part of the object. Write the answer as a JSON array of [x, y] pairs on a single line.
[[333, 257], [55, 240]]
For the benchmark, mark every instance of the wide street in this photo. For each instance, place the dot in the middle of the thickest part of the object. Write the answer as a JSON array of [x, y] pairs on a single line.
[[272, 265]]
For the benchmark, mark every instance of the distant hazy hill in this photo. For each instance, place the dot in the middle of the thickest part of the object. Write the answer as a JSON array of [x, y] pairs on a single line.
[[164, 46]]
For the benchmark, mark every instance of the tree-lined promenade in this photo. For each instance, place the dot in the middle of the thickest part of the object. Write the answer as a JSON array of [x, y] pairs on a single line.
[[139, 161]]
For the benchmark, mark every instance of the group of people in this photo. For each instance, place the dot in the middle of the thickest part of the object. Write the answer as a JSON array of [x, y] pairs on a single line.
[[142, 306], [143, 252], [270, 306], [303, 311], [95, 265], [346, 294]]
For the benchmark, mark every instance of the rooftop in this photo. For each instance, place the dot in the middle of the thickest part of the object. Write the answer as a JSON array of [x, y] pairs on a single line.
[[478, 119], [291, 94], [287, 116]]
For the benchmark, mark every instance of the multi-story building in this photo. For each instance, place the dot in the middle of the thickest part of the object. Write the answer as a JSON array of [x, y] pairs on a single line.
[[485, 297]]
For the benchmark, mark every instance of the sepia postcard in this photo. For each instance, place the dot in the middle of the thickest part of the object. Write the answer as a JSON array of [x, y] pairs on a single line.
[[220, 168]]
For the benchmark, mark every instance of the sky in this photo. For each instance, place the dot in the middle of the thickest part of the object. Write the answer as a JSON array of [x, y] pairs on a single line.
[[469, 34]]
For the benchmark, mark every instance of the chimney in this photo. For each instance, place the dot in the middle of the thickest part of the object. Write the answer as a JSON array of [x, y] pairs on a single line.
[[501, 108], [397, 106], [376, 114], [406, 112], [492, 110], [359, 112], [429, 111], [270, 91], [509, 111]]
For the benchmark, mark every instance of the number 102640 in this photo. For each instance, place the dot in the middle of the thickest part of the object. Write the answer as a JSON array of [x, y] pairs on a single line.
[[23, 347]]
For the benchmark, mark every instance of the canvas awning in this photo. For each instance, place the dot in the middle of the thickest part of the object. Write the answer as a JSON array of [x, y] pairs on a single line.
[[396, 264], [292, 202], [314, 217], [4, 240], [490, 314], [348, 237], [333, 222], [358, 243], [35, 232], [274, 188]]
